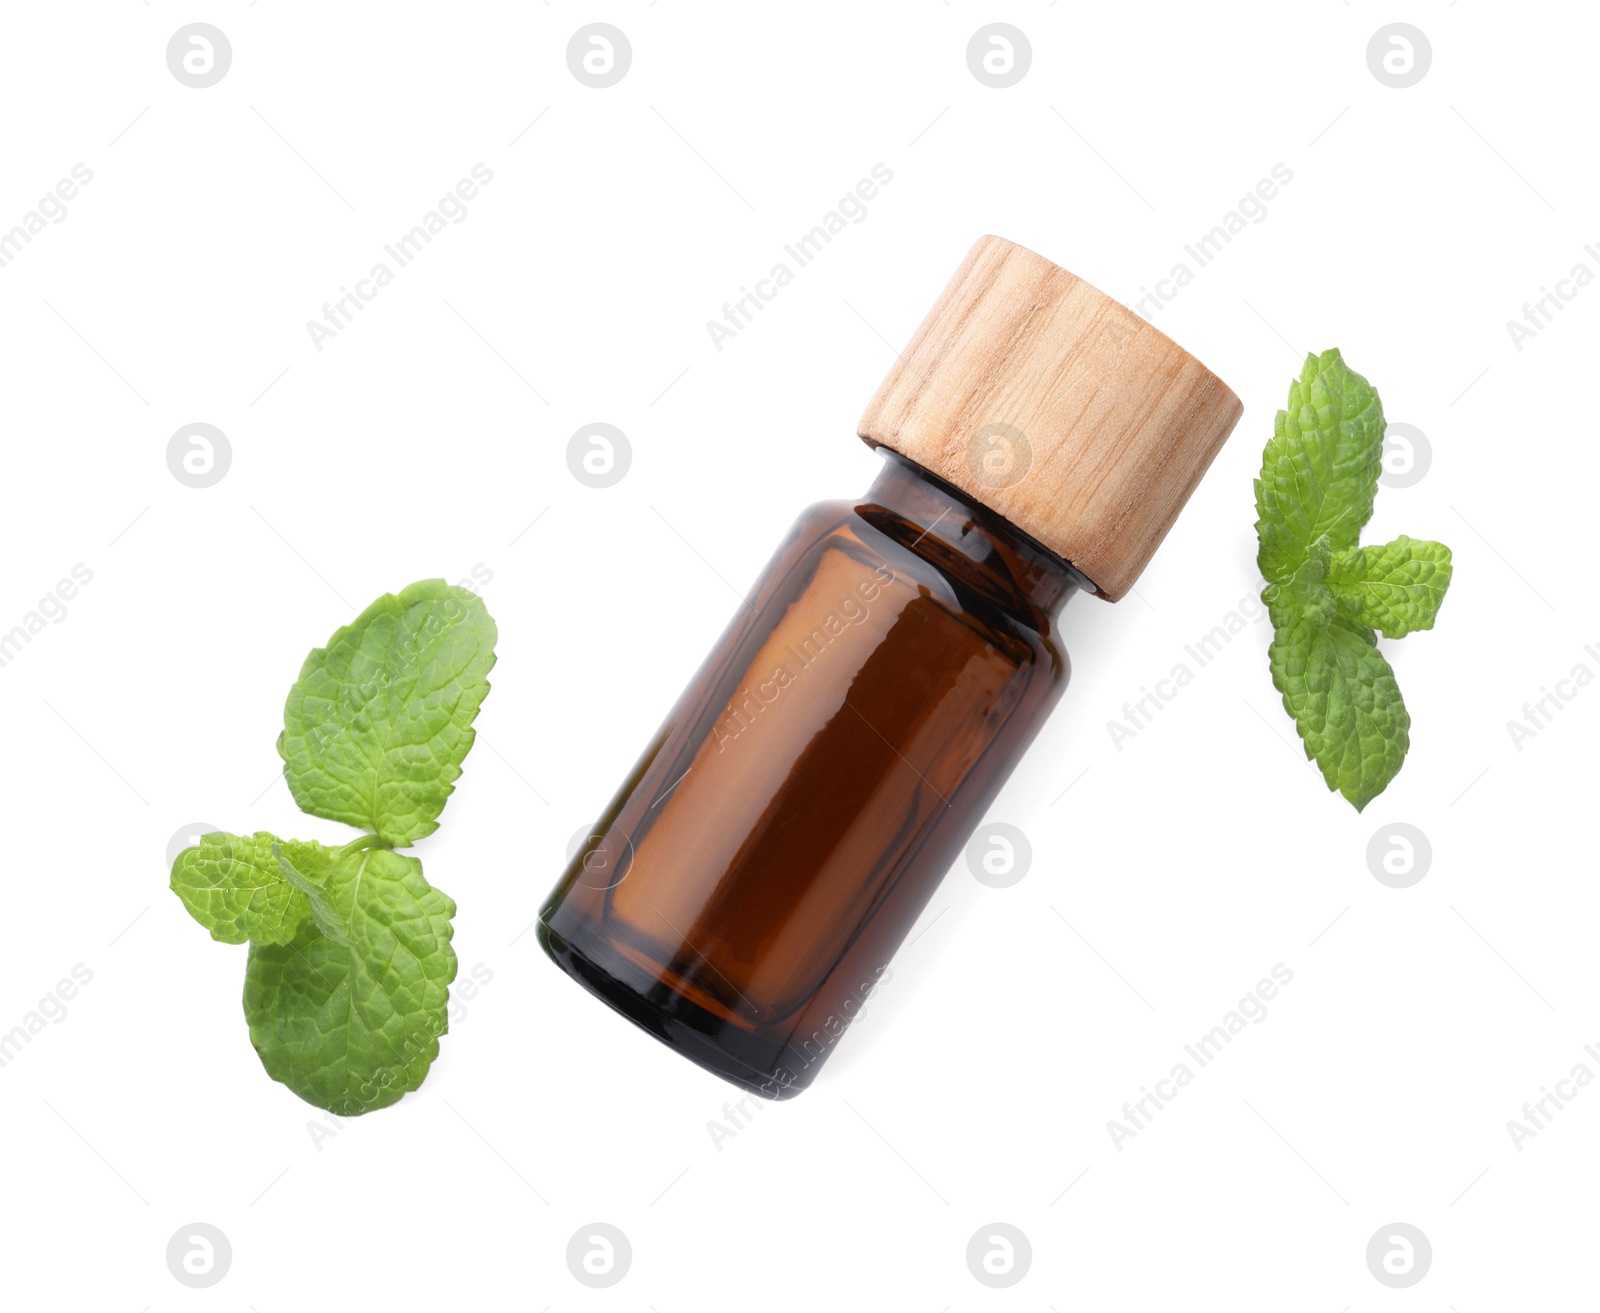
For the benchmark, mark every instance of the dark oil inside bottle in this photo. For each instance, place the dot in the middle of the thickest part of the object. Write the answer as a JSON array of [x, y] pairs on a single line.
[[748, 884]]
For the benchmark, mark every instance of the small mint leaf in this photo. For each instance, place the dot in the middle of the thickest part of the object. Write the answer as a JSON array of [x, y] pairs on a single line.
[[1395, 588], [233, 885]]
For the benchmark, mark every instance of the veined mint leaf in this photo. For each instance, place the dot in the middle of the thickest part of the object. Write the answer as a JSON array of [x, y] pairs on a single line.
[[378, 724], [1395, 588], [232, 884], [352, 1027], [1319, 473], [1342, 695]]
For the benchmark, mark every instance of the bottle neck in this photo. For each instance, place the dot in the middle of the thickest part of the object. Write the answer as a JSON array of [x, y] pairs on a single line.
[[966, 539]]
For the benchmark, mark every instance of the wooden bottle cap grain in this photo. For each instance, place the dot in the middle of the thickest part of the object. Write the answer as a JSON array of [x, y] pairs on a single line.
[[1058, 408]]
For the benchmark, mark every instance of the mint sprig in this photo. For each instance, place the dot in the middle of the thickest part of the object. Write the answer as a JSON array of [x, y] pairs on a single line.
[[348, 978], [1328, 596]]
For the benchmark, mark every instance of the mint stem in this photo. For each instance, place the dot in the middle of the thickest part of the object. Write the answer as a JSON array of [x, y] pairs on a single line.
[[365, 841]]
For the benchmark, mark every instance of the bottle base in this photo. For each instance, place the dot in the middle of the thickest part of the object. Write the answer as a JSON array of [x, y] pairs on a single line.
[[736, 1055]]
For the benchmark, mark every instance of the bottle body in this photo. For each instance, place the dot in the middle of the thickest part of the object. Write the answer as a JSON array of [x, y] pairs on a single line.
[[748, 884]]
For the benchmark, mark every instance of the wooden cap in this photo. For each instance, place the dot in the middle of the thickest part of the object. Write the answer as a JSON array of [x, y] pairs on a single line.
[[1056, 407]]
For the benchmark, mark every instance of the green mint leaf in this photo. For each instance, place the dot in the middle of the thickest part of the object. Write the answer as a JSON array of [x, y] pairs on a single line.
[[1342, 695], [353, 1026], [233, 885], [1396, 588], [1319, 473], [378, 724]]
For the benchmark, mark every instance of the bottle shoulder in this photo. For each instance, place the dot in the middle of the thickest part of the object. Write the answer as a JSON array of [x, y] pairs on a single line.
[[896, 552]]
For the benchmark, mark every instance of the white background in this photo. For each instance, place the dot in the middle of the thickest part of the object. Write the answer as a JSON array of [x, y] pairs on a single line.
[[422, 441]]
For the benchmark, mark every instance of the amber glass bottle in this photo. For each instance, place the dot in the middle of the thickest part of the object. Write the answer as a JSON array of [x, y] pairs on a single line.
[[749, 882], [747, 886]]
